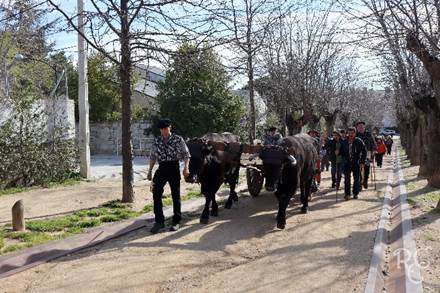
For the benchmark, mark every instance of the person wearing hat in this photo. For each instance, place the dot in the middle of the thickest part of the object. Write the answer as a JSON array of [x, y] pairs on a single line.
[[273, 137], [370, 145], [168, 149]]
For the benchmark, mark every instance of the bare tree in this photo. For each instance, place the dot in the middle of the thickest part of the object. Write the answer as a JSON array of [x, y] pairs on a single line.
[[409, 31], [248, 22], [129, 31], [306, 70]]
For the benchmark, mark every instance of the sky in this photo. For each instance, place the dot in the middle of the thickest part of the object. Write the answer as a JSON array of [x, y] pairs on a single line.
[[67, 41]]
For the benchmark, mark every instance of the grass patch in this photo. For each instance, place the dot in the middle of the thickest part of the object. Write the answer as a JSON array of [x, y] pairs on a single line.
[[33, 238], [110, 218], [411, 201], [13, 247], [148, 208], [411, 186], [430, 237], [89, 223], [43, 230], [53, 224], [191, 194]]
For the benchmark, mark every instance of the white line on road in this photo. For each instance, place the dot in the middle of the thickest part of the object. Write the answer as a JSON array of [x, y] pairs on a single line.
[[413, 278]]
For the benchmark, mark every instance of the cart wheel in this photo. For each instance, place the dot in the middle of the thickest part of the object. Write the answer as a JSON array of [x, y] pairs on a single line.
[[254, 181]]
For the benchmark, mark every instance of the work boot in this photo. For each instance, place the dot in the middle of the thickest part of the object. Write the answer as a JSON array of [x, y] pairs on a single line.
[[333, 185], [355, 196], [157, 227], [365, 184], [175, 227], [347, 197]]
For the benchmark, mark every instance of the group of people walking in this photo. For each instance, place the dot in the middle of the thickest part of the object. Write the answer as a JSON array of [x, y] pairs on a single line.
[[351, 153]]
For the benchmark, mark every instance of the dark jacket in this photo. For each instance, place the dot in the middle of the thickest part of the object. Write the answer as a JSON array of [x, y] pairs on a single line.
[[359, 152], [330, 146], [368, 140]]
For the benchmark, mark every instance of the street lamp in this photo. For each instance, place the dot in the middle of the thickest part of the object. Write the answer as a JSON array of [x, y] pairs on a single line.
[[17, 57]]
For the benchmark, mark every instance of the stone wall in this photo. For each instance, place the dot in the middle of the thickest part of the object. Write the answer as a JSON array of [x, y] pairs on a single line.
[[105, 138], [54, 113]]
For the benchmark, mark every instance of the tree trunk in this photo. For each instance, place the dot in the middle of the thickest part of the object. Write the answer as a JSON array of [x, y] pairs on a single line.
[[329, 123], [125, 75], [345, 118], [422, 141], [313, 122], [433, 144], [294, 126], [252, 115], [430, 106], [412, 143]]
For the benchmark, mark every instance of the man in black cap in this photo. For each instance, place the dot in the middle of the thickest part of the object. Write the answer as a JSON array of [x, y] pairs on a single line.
[[168, 149], [370, 145], [272, 137]]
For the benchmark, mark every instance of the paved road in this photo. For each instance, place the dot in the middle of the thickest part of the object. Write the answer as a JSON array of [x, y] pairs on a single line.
[[108, 166]]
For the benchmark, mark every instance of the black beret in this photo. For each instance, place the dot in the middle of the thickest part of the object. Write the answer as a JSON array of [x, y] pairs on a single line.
[[163, 123], [360, 122], [273, 128]]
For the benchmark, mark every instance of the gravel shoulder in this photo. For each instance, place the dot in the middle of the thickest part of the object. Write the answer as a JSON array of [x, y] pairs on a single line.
[[327, 250], [426, 225]]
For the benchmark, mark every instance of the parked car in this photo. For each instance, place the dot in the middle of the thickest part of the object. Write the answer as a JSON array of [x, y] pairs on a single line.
[[387, 131]]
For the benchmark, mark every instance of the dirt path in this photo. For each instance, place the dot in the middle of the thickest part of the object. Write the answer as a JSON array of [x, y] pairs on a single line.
[[327, 250]]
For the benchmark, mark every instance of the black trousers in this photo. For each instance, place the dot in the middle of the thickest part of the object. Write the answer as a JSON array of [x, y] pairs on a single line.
[[350, 168], [389, 149], [379, 160], [366, 173], [167, 172], [336, 171]]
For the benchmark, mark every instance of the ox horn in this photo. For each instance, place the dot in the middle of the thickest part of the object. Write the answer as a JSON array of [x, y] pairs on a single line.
[[292, 160]]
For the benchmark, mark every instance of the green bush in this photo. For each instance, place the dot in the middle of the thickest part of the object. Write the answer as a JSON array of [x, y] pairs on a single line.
[[31, 153]]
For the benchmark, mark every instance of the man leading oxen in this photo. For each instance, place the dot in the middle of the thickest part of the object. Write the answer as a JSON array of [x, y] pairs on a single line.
[[215, 159], [287, 166]]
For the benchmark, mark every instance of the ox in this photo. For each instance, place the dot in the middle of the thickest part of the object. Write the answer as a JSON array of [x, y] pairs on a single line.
[[286, 166], [215, 158]]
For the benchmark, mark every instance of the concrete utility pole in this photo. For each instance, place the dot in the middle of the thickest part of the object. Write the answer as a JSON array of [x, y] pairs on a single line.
[[83, 97]]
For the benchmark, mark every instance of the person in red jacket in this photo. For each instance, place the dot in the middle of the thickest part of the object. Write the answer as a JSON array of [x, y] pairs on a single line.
[[380, 151]]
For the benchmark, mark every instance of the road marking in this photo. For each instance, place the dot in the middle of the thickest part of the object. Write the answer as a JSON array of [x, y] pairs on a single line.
[[413, 279]]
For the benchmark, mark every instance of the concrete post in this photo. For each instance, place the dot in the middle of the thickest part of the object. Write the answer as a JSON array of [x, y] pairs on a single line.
[[18, 223], [84, 130]]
